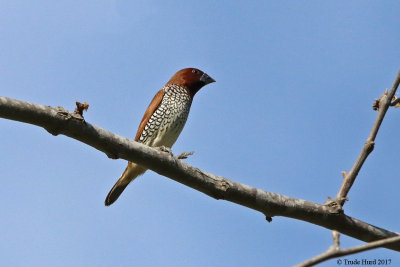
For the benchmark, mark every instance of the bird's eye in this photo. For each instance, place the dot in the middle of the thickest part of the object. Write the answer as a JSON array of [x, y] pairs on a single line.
[[195, 71]]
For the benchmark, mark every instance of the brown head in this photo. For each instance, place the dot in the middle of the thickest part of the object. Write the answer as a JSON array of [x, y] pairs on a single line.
[[192, 79]]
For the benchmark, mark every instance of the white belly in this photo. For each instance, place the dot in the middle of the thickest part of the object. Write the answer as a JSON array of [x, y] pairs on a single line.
[[167, 122]]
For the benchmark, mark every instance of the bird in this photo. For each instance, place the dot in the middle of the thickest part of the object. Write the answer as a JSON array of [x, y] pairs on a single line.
[[163, 120]]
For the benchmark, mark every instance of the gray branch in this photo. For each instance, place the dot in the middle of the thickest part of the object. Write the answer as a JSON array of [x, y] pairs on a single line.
[[59, 121], [337, 252], [382, 106]]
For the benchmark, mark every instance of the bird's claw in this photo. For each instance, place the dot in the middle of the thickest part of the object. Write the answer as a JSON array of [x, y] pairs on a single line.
[[185, 155], [166, 150]]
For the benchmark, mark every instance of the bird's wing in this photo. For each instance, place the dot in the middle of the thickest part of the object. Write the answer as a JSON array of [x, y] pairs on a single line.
[[150, 110]]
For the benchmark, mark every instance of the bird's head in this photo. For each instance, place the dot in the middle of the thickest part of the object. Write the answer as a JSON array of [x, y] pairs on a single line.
[[192, 79]]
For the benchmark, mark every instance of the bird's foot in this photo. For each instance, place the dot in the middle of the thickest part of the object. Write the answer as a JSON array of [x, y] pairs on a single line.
[[185, 155], [165, 149]]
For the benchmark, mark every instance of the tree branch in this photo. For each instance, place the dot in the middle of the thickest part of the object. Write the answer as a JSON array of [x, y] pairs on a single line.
[[335, 253], [382, 104], [350, 177], [59, 121]]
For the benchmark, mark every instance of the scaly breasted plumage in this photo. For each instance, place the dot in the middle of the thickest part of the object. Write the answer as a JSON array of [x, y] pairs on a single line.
[[163, 120]]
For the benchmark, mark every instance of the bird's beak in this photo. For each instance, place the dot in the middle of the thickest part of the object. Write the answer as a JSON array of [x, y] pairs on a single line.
[[206, 79]]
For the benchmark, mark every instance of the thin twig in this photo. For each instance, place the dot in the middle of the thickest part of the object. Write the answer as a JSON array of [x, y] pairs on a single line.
[[335, 253], [351, 176], [382, 105], [336, 239]]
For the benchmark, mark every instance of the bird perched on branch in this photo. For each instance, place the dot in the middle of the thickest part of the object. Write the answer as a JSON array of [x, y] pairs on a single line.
[[163, 120]]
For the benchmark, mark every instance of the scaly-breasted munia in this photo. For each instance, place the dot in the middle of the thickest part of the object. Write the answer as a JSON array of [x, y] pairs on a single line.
[[163, 120]]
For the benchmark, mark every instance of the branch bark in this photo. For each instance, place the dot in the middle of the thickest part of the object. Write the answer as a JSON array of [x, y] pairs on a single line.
[[382, 105], [337, 252], [59, 121], [349, 178]]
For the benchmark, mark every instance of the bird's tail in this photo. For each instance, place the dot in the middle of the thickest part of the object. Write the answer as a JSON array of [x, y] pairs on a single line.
[[131, 172]]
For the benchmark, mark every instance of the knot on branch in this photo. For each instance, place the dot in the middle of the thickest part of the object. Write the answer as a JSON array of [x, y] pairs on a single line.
[[222, 185], [334, 206], [377, 102], [62, 112], [375, 105], [369, 146], [66, 115], [80, 107], [77, 114]]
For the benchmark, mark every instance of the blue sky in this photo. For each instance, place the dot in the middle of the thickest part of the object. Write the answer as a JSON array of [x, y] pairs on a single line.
[[290, 110]]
